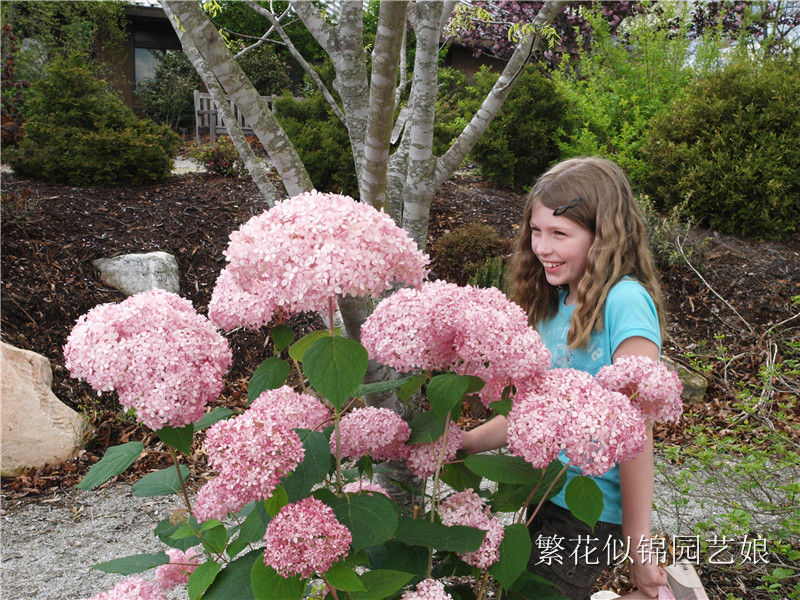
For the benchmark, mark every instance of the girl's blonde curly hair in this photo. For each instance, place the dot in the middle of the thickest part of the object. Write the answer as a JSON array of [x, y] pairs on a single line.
[[609, 210]]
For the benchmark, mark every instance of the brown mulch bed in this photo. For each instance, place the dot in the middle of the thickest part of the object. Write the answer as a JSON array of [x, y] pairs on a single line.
[[52, 233]]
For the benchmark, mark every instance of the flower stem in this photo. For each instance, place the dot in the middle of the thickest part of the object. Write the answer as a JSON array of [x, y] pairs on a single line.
[[337, 417], [482, 585], [184, 491], [550, 487], [330, 315]]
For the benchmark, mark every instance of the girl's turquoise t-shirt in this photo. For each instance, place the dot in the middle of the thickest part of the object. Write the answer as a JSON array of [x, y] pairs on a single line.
[[629, 312]]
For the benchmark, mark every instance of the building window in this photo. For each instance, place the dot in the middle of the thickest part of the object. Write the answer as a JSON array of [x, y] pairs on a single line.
[[145, 62]]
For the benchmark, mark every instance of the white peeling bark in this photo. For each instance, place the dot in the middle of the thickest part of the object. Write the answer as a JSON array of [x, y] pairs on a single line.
[[236, 85], [385, 64]]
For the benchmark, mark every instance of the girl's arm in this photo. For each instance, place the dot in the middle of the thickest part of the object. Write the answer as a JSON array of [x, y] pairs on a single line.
[[489, 436], [637, 483]]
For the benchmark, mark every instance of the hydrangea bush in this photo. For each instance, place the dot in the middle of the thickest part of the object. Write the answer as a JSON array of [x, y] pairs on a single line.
[[292, 509]]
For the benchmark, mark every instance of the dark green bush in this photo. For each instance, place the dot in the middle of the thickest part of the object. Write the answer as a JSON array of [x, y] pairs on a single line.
[[169, 96], [266, 71], [520, 143], [728, 149], [459, 254], [451, 115], [321, 141], [78, 132]]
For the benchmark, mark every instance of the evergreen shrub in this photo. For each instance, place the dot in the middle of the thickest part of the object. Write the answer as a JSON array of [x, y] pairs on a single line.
[[80, 133], [462, 252], [520, 143], [728, 149]]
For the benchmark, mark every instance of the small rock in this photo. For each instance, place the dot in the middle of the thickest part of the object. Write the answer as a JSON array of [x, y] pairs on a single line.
[[135, 273], [37, 427], [694, 384]]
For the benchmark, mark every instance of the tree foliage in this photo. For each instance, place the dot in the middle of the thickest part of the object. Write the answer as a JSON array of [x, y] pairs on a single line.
[[728, 149]]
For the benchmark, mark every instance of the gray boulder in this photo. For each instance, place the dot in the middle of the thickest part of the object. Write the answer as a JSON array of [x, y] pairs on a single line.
[[135, 273]]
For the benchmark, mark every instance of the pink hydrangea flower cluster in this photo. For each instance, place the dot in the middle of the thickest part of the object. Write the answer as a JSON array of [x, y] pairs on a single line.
[[308, 249], [364, 485], [164, 359], [181, 565], [231, 307], [570, 411], [422, 459], [132, 588], [305, 538], [378, 432], [467, 508], [429, 589], [252, 453], [656, 389], [466, 330], [295, 410]]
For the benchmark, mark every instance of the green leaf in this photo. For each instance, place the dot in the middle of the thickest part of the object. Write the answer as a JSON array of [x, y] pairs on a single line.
[[533, 587], [344, 578], [133, 564], [397, 556], [446, 391], [268, 584], [515, 550], [381, 584], [503, 468], [218, 414], [458, 538], [164, 532], [312, 470], [371, 519], [365, 467], [185, 531], [459, 477], [180, 439], [298, 349], [335, 367], [380, 386], [215, 538], [160, 483], [270, 375], [282, 336], [501, 407], [277, 501], [251, 531], [234, 580], [202, 578], [114, 461], [426, 427], [412, 387], [584, 499]]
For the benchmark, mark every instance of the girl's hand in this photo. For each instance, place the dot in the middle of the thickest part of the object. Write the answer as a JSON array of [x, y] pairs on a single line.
[[647, 578]]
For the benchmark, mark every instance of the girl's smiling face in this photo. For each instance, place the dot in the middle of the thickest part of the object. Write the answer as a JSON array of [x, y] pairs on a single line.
[[562, 246]]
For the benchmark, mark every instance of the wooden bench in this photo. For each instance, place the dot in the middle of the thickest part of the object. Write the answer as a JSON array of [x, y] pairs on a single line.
[[208, 122]]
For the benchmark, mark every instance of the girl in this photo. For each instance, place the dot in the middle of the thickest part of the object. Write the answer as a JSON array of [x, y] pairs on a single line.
[[584, 274]]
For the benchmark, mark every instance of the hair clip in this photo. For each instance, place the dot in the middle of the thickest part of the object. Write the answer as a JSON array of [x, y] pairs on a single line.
[[562, 209]]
